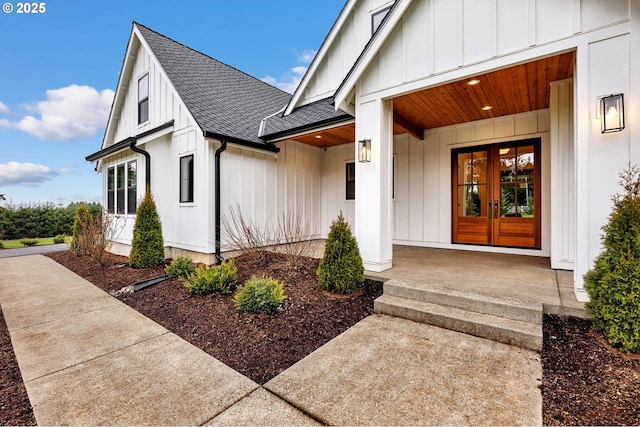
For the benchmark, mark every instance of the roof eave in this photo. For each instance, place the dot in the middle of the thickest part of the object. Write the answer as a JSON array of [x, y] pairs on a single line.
[[251, 144], [307, 128]]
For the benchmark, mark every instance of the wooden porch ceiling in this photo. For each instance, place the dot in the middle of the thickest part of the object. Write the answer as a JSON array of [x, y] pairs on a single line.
[[518, 89]]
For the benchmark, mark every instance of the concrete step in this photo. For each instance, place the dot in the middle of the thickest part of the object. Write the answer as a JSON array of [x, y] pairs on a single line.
[[500, 307], [505, 330]]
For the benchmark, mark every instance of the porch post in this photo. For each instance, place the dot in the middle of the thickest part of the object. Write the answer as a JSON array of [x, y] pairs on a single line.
[[373, 214]]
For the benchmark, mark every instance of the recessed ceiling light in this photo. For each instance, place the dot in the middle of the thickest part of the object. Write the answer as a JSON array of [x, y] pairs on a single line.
[[487, 108], [473, 82], [318, 136]]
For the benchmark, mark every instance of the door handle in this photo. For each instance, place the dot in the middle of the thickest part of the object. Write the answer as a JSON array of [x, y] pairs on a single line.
[[490, 209], [495, 209]]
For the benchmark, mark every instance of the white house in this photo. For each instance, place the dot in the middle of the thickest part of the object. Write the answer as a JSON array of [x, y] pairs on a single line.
[[480, 124]]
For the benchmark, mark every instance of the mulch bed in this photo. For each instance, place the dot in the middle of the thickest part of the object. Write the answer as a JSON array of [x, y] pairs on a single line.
[[15, 408], [258, 346], [585, 381]]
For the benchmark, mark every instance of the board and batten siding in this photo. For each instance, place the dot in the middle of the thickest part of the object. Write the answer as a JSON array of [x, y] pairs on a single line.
[[164, 103], [334, 198], [345, 47], [266, 185], [436, 36]]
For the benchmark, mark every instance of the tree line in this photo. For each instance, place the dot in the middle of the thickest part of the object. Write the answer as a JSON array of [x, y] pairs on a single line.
[[40, 220]]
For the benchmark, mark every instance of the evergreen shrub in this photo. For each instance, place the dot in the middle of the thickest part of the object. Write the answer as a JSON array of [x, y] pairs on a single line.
[[77, 242], [180, 267], [60, 238], [147, 248], [341, 270], [260, 295], [221, 278], [1, 245], [28, 241], [613, 283]]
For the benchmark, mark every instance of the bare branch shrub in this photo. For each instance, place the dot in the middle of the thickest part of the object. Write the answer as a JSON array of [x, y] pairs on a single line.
[[245, 236], [291, 235], [294, 235], [96, 236]]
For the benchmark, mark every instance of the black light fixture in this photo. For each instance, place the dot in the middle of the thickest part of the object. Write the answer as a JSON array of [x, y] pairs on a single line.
[[364, 151], [612, 113]]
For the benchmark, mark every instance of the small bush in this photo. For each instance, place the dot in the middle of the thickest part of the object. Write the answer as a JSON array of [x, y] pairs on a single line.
[[222, 278], [341, 268], [28, 242], [60, 238], [260, 295], [147, 247], [78, 244], [1, 245], [613, 283], [181, 267]]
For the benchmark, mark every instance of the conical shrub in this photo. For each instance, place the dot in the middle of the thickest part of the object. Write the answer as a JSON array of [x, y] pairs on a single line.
[[341, 268], [147, 248], [613, 283]]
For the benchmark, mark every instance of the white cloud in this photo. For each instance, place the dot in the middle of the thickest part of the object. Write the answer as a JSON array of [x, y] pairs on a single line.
[[290, 80], [67, 114], [4, 109], [29, 174]]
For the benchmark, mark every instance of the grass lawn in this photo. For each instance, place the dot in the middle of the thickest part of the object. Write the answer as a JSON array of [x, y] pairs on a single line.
[[12, 244]]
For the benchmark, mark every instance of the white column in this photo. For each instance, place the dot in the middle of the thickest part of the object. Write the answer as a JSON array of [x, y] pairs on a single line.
[[373, 214]]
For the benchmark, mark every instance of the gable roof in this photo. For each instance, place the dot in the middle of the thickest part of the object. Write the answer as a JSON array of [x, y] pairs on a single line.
[[225, 102]]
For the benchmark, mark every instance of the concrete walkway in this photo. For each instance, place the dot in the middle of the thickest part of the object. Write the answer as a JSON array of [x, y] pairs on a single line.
[[88, 359], [33, 250]]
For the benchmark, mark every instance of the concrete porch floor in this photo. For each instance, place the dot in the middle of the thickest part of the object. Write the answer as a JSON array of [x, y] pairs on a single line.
[[515, 277]]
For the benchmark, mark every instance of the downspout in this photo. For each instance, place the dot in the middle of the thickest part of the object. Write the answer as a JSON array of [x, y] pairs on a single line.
[[217, 198], [147, 163]]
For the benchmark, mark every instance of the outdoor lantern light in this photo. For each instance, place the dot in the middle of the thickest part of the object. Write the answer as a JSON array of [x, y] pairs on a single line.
[[364, 151], [612, 113]]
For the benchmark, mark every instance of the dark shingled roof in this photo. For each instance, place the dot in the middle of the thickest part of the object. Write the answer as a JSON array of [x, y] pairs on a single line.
[[308, 117], [225, 102]]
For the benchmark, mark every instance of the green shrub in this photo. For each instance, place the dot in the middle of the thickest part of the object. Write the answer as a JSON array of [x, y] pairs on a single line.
[[260, 295], [28, 241], [78, 242], [60, 238], [341, 269], [613, 283], [221, 278], [1, 245], [147, 248], [181, 267]]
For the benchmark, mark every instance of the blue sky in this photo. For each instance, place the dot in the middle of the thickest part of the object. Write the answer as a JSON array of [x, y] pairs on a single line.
[[59, 68]]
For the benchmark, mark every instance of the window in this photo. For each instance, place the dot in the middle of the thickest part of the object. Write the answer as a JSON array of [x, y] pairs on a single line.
[[111, 187], [132, 185], [143, 99], [351, 181], [377, 18], [186, 179], [120, 189]]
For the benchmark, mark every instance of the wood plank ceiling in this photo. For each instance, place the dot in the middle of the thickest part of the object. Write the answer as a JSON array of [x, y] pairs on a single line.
[[517, 89]]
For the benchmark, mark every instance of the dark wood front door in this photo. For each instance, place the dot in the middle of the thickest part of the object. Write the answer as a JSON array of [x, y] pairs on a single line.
[[496, 194]]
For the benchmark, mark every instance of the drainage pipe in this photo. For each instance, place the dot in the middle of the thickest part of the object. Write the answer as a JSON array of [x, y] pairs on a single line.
[[147, 163], [219, 151]]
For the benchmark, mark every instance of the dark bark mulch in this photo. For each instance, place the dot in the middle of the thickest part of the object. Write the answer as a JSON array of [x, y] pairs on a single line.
[[15, 408], [258, 346], [585, 381]]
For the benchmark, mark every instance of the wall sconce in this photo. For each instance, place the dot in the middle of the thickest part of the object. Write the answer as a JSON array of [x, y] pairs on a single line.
[[612, 113], [364, 151]]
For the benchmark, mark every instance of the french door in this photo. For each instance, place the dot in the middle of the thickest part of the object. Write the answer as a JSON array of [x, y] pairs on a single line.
[[496, 194]]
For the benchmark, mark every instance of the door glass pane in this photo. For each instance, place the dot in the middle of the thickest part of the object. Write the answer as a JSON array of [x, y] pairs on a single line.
[[472, 200], [507, 164], [525, 199], [508, 206], [526, 162], [465, 169]]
